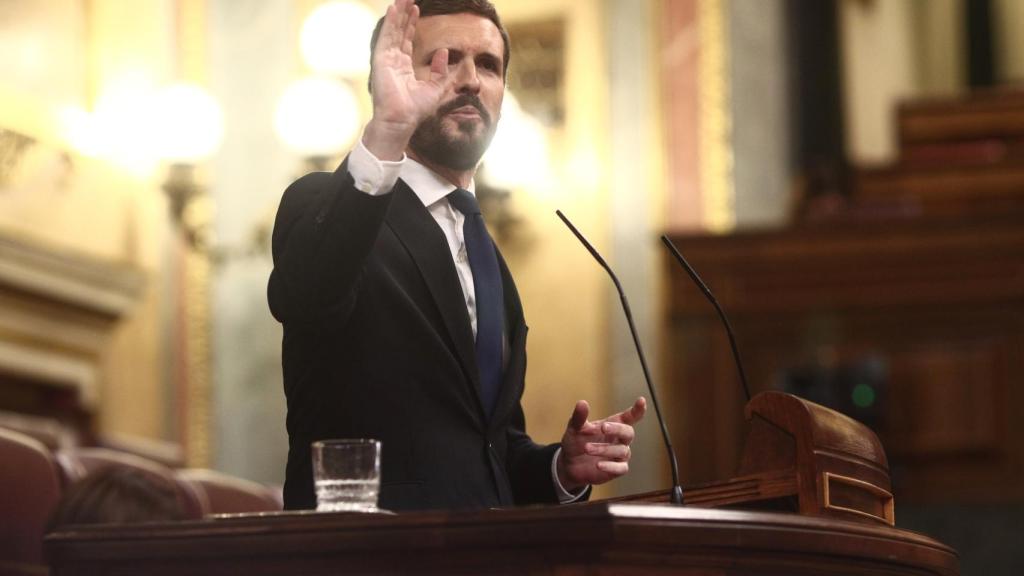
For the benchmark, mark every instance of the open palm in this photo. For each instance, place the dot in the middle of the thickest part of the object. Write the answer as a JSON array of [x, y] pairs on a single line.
[[400, 99]]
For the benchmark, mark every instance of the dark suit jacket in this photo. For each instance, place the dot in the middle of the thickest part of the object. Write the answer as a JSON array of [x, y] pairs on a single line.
[[378, 344]]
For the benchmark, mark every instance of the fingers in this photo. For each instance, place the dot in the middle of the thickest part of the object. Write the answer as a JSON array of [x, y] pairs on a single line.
[[617, 433], [439, 65], [409, 29], [619, 452], [402, 9], [635, 413], [399, 26], [613, 468], [579, 415], [387, 38], [596, 452]]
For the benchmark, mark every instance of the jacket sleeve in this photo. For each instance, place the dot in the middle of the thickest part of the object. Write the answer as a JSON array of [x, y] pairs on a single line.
[[529, 466], [323, 233]]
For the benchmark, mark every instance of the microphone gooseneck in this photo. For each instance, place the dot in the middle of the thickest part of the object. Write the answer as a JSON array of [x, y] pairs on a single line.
[[711, 298], [677, 490]]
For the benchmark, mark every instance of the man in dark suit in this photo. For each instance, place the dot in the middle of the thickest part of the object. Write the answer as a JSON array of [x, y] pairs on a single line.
[[401, 320]]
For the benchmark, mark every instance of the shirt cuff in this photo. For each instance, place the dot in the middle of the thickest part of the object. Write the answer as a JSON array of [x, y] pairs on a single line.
[[372, 176], [564, 496]]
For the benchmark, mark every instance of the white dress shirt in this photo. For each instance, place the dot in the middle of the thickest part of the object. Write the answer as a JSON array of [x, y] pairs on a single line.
[[376, 177]]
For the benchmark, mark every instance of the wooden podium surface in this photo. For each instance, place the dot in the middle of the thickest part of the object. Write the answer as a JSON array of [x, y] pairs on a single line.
[[595, 538]]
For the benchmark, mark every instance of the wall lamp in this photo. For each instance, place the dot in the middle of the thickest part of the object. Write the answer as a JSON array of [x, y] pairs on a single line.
[[190, 128]]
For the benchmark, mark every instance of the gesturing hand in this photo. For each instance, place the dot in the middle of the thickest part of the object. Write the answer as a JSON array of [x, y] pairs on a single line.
[[596, 452], [400, 99]]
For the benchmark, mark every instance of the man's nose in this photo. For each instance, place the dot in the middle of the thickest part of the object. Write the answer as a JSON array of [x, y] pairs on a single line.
[[466, 78]]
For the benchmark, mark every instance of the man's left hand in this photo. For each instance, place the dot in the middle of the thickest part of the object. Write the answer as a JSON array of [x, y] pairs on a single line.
[[596, 452]]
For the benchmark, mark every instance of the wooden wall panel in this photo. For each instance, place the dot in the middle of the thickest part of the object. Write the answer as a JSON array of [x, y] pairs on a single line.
[[936, 308]]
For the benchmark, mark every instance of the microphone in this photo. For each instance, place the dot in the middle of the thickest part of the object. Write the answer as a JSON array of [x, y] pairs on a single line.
[[677, 490], [711, 298]]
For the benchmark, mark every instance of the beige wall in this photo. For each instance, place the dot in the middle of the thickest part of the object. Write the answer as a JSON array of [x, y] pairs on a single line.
[[1009, 27], [137, 57], [609, 180], [41, 63], [938, 38], [878, 72], [562, 289], [637, 214], [898, 49], [73, 54]]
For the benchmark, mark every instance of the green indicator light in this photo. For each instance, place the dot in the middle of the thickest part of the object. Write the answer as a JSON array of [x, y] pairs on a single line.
[[863, 395]]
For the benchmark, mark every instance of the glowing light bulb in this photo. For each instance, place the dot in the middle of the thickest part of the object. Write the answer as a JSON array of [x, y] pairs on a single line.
[[188, 124], [335, 38], [518, 155], [318, 116]]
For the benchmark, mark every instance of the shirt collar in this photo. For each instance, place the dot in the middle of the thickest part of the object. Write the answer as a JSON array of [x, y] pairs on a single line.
[[426, 184]]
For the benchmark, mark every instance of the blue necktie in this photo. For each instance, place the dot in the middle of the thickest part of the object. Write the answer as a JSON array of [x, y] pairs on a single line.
[[490, 316]]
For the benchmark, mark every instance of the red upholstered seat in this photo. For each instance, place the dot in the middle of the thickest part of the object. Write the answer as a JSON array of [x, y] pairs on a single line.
[[29, 491], [46, 430], [226, 494], [77, 463]]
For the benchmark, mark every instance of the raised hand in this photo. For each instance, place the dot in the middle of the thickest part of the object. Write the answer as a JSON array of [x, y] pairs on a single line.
[[401, 99], [596, 452]]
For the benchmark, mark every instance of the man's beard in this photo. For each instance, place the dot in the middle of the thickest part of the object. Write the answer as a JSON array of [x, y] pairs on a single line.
[[430, 142]]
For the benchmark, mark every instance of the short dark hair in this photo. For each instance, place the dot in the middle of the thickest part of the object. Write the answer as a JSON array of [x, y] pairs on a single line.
[[482, 8], [117, 495]]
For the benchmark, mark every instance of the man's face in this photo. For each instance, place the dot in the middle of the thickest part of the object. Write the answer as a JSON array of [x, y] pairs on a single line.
[[457, 135]]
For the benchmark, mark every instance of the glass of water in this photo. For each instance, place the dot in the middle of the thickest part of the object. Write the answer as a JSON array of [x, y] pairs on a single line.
[[346, 474]]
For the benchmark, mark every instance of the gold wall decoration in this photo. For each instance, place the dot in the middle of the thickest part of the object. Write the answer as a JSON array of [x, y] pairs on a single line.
[[195, 227], [716, 153], [12, 146], [198, 358], [59, 312], [537, 72]]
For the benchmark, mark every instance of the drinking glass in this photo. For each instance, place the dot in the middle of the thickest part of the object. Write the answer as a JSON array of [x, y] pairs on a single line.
[[346, 475]]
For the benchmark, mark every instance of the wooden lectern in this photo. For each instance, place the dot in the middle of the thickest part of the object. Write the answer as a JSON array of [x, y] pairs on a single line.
[[799, 457], [803, 457]]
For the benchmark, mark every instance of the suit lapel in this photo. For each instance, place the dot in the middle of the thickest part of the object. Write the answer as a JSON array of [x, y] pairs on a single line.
[[425, 242]]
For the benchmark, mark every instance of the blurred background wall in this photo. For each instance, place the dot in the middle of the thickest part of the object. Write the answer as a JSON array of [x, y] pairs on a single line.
[[144, 147]]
